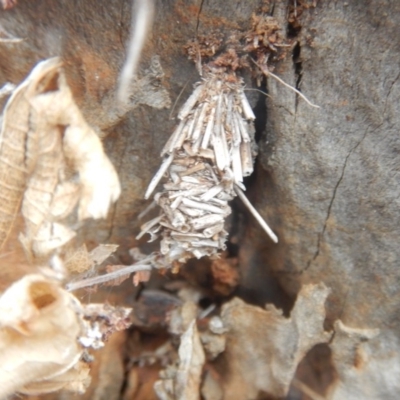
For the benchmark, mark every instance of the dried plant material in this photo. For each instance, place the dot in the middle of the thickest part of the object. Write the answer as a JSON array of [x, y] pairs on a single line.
[[225, 274], [120, 272], [141, 276], [256, 215], [264, 348], [367, 368], [76, 380], [78, 261], [101, 320], [182, 317], [39, 327], [17, 148], [55, 157], [120, 279], [191, 361], [204, 46], [184, 382], [208, 154], [266, 30], [102, 252], [107, 370]]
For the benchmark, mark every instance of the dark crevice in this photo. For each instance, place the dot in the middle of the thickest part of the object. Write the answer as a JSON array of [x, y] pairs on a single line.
[[261, 112], [298, 70]]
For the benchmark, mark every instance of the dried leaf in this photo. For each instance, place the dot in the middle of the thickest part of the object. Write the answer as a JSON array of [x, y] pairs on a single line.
[[141, 276], [39, 327], [102, 252], [55, 157], [18, 146], [264, 348], [76, 379]]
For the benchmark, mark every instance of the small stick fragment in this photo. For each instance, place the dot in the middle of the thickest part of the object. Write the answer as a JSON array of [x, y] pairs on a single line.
[[190, 103], [202, 206], [206, 221], [247, 110], [256, 215], [208, 131], [173, 139], [152, 205], [246, 158], [199, 122], [159, 174], [107, 277], [267, 73], [211, 192], [148, 225]]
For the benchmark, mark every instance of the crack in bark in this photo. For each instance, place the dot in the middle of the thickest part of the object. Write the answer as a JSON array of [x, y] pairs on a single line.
[[389, 91], [328, 214]]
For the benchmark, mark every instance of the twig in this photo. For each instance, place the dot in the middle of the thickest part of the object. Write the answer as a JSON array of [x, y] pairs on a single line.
[[152, 205], [267, 73], [255, 214], [258, 90], [108, 277], [142, 17]]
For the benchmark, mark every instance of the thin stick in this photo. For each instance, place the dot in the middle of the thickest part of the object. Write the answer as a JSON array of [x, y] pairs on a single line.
[[147, 209], [107, 277], [159, 174], [142, 17], [255, 214], [269, 73], [177, 99], [258, 90]]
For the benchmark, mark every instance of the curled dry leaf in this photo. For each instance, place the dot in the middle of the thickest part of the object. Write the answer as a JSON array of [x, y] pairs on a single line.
[[263, 347], [39, 326], [51, 160]]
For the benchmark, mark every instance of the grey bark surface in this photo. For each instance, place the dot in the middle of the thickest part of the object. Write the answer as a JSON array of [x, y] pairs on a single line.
[[327, 179]]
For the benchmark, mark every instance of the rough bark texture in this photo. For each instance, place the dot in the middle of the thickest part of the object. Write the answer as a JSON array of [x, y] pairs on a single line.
[[327, 179]]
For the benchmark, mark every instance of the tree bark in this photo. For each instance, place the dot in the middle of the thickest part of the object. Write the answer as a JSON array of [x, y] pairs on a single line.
[[327, 179]]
